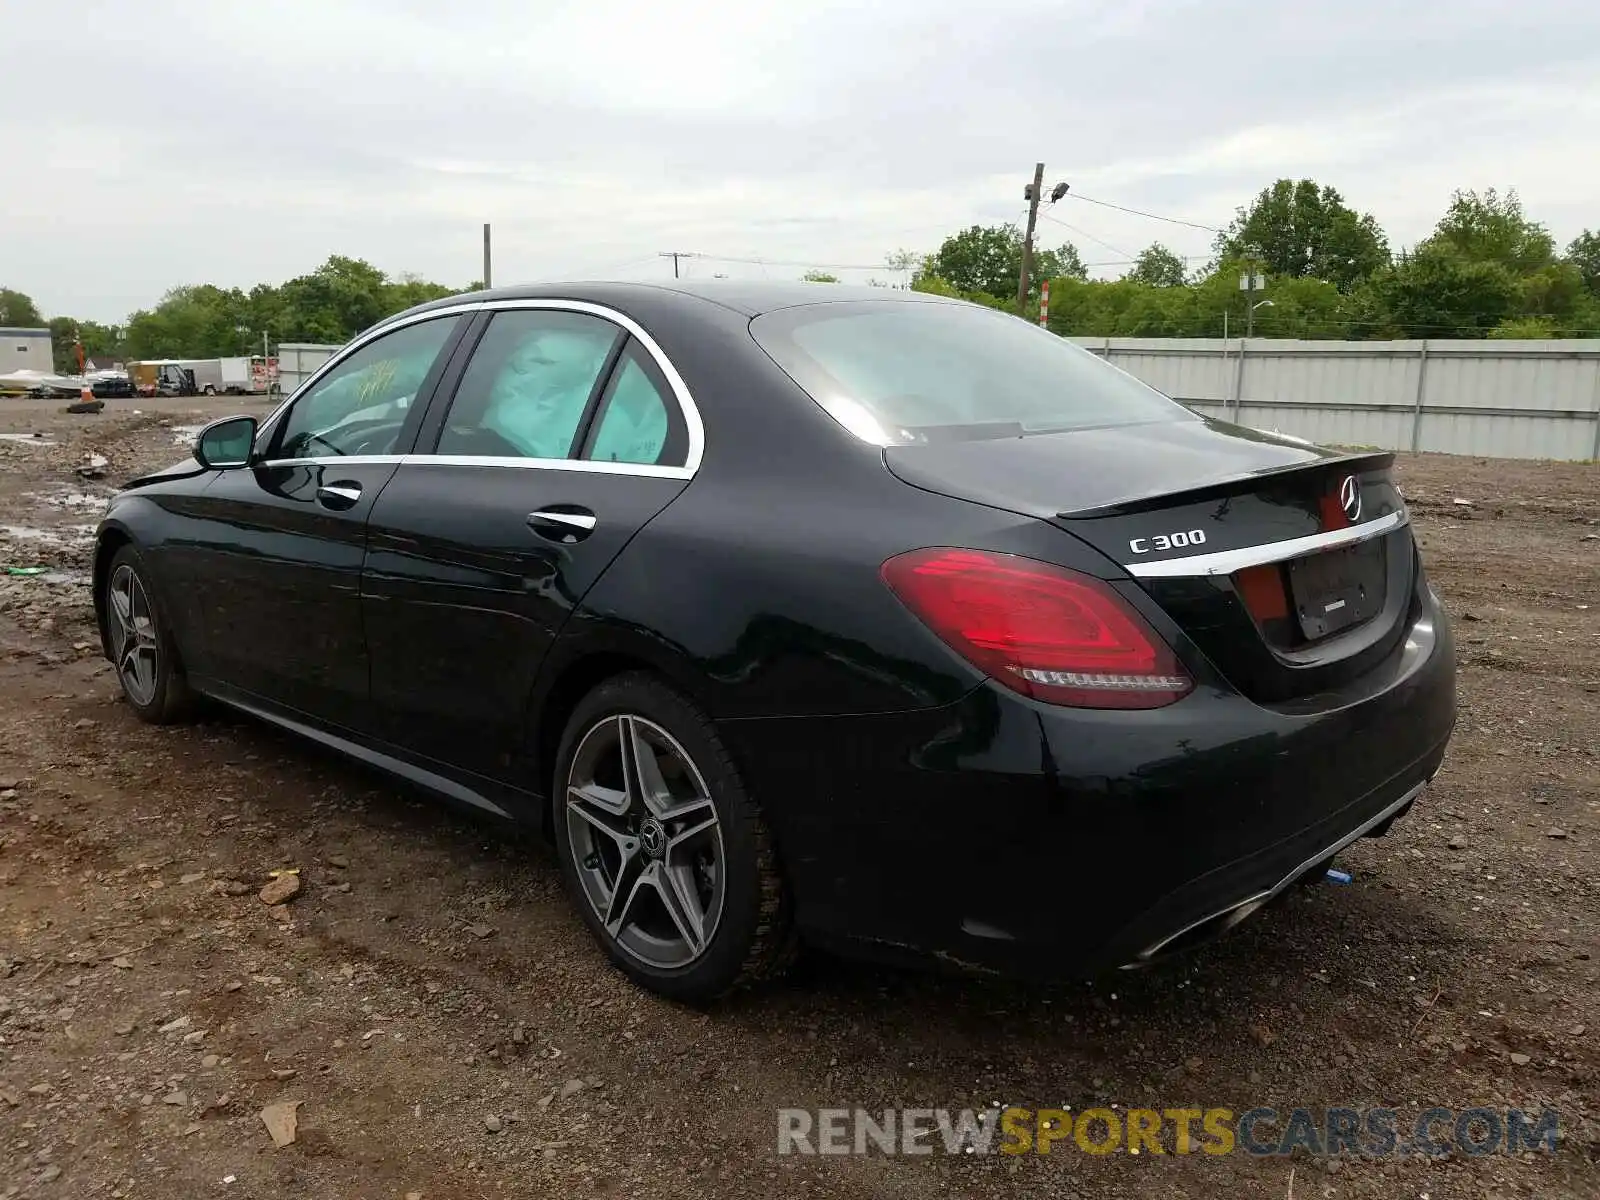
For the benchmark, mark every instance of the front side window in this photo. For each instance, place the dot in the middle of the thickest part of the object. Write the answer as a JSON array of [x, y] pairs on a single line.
[[361, 405], [530, 380], [907, 372], [636, 422]]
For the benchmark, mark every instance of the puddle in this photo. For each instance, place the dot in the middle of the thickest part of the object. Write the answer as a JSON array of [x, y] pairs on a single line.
[[66, 578], [65, 535], [55, 576], [72, 500], [26, 439]]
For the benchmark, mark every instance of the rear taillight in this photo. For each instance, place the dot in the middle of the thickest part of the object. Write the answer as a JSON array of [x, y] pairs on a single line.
[[1042, 630]]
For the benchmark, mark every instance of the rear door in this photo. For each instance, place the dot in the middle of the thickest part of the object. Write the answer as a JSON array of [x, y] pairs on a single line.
[[566, 433], [275, 563]]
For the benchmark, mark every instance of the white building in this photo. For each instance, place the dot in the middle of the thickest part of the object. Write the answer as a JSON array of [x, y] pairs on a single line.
[[25, 350]]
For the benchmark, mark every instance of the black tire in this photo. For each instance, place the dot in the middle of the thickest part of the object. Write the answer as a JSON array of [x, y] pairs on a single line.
[[753, 938], [169, 698]]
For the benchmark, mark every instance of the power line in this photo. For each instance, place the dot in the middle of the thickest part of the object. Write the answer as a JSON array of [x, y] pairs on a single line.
[[1139, 212], [1085, 233], [596, 272], [1133, 262], [780, 262]]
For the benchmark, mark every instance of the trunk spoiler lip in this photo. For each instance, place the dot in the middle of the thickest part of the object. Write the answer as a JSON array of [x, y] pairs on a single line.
[[1353, 464]]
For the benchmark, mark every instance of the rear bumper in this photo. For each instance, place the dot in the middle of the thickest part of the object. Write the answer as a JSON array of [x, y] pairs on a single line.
[[998, 833], [1173, 924]]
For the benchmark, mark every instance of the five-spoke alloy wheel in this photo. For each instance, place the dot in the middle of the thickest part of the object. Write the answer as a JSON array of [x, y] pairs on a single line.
[[645, 836], [669, 860], [134, 646], [138, 643]]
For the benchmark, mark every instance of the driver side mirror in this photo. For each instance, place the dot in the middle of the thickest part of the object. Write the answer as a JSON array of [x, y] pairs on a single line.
[[226, 444]]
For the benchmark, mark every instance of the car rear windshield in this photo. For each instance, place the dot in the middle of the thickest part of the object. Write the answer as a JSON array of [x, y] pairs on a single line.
[[905, 372]]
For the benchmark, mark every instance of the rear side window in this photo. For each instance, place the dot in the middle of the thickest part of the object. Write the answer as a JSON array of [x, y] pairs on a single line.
[[525, 391], [906, 372], [637, 423]]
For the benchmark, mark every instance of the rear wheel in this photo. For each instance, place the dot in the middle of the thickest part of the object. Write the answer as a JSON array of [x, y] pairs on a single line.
[[141, 645], [664, 852]]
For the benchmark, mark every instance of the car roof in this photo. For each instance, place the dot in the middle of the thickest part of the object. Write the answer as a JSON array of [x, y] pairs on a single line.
[[749, 298]]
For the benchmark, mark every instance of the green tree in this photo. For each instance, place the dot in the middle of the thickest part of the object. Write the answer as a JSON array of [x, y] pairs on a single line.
[[410, 290], [1556, 291], [980, 258], [1061, 263], [1524, 328], [987, 259], [819, 277], [18, 310], [1300, 230], [1434, 292], [1157, 266], [1492, 228], [1584, 253], [903, 260], [99, 341], [192, 322], [334, 302], [935, 285], [331, 304]]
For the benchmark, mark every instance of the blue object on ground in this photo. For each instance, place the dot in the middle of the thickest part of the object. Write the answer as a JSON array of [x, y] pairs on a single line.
[[1337, 876]]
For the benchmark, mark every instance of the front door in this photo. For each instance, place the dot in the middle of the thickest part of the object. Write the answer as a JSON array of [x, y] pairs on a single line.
[[562, 440], [280, 552]]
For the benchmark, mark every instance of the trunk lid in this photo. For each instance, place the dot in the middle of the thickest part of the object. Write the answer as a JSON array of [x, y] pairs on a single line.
[[1291, 567]]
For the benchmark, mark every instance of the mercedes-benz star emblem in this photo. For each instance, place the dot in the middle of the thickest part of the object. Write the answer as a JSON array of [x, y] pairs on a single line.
[[654, 837], [1350, 498]]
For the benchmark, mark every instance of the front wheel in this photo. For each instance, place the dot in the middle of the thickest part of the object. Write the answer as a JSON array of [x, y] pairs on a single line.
[[141, 645], [664, 852]]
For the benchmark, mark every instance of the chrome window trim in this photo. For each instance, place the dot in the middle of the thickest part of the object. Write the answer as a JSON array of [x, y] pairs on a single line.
[[338, 460], [548, 464], [1226, 562], [645, 470], [680, 391]]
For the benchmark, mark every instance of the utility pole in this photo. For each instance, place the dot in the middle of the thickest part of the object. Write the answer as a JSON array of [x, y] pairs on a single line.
[[1027, 241], [487, 281], [675, 255], [1248, 282]]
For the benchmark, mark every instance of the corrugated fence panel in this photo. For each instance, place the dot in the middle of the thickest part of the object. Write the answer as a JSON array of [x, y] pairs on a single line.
[[1333, 427], [1525, 435], [298, 361], [1521, 399]]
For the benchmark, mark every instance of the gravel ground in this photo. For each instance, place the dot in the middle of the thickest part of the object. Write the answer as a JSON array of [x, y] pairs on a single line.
[[436, 1017]]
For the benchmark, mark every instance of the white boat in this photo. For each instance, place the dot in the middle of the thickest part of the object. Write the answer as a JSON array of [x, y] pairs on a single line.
[[40, 383]]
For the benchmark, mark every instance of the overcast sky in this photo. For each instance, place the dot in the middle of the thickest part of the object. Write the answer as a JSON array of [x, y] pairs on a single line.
[[149, 143]]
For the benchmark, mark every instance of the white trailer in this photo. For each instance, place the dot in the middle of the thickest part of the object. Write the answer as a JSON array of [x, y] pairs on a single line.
[[215, 376]]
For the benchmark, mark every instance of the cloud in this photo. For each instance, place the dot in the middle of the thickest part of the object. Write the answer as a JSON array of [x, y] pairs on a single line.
[[236, 143]]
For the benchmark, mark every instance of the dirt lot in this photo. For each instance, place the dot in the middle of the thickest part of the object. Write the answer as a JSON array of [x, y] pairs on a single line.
[[438, 1011]]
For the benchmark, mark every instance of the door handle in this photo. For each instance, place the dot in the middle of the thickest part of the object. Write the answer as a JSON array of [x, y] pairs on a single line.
[[564, 524], [339, 495]]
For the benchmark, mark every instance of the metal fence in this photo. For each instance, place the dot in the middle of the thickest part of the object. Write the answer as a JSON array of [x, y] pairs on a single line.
[[1510, 399], [298, 361]]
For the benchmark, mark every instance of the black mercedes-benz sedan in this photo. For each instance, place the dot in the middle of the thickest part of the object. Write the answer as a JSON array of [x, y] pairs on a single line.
[[868, 619]]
